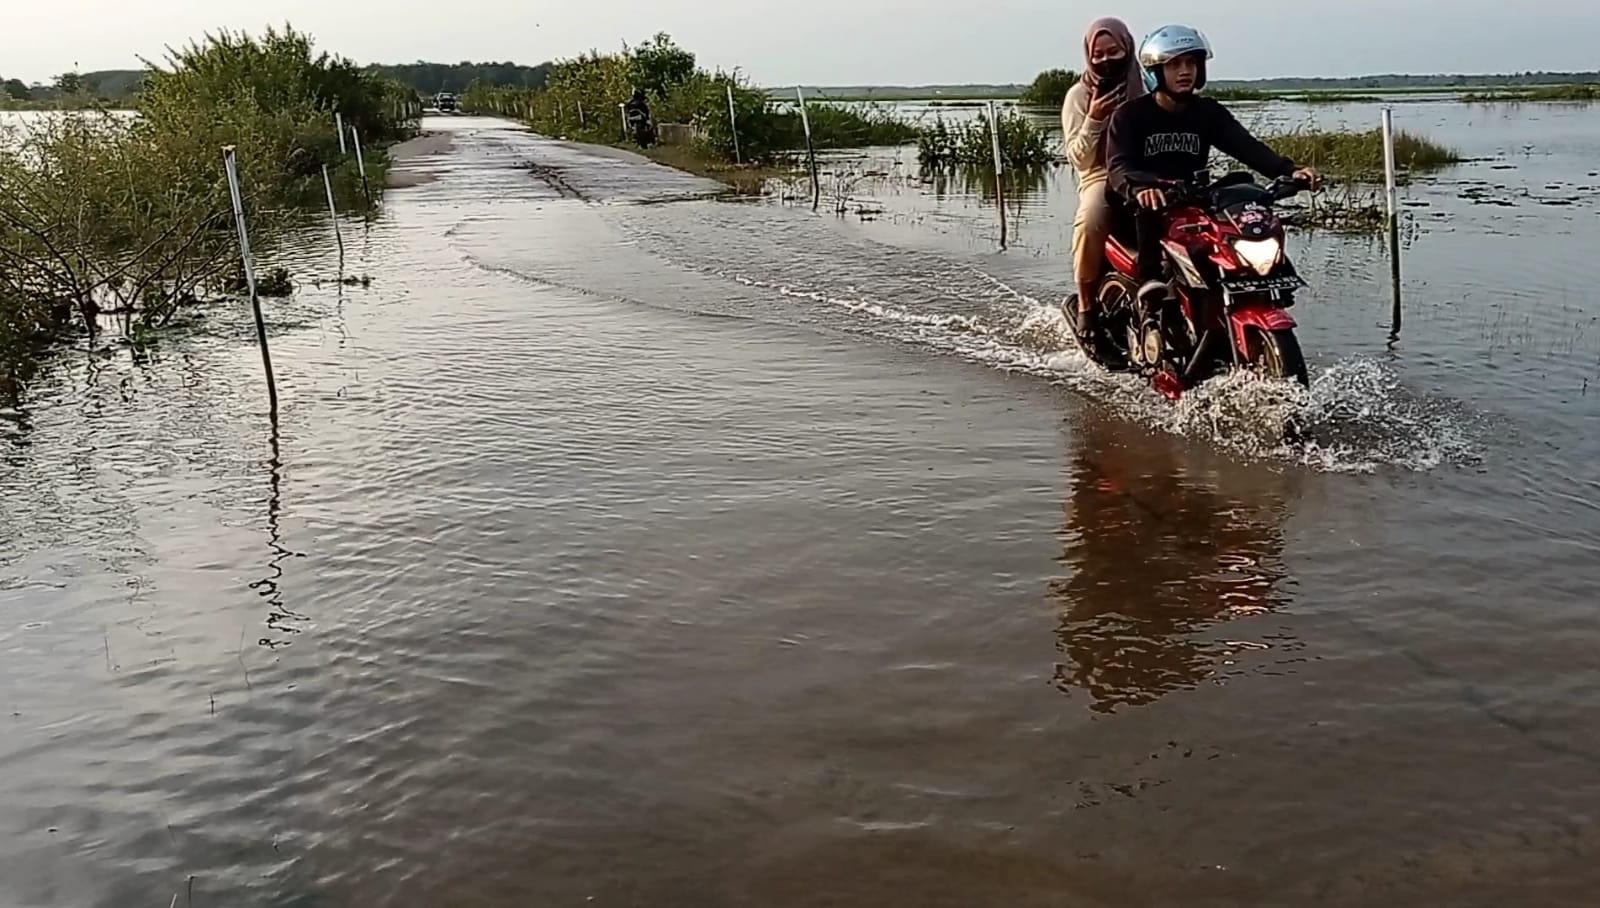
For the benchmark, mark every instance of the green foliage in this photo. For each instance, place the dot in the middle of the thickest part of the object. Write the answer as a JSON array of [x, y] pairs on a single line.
[[15, 89], [1049, 88], [1022, 144], [129, 218], [581, 102], [658, 66]]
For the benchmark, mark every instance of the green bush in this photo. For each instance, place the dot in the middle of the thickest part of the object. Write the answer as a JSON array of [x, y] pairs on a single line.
[[1022, 144], [105, 215]]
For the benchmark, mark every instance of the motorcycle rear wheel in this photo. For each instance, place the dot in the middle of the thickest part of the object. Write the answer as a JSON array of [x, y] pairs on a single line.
[[1277, 355]]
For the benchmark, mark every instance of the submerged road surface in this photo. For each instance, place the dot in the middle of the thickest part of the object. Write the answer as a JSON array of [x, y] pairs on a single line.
[[623, 546]]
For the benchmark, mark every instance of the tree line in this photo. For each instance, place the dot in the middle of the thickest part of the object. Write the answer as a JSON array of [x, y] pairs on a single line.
[[423, 77]]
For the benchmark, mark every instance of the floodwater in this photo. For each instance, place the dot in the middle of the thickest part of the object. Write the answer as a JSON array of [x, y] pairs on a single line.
[[624, 546]]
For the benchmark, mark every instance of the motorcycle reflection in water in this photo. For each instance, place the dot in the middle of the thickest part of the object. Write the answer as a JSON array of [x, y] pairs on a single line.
[[1159, 554]]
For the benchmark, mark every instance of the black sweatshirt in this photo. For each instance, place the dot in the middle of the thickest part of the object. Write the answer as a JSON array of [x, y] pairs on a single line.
[[1147, 142]]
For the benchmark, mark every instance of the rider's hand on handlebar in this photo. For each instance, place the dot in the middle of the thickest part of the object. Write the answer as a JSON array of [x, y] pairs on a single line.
[[1153, 199], [1309, 175]]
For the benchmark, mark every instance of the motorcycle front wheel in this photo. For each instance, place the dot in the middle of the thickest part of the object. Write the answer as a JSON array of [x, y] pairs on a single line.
[[1276, 354]]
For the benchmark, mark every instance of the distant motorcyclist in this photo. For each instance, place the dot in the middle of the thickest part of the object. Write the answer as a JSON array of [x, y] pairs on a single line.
[[641, 128], [1167, 136]]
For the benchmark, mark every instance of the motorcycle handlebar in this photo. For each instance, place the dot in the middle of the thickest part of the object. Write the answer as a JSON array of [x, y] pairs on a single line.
[[1183, 190]]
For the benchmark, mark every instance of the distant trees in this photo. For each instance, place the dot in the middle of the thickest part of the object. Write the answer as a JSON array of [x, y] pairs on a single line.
[[68, 83], [14, 89], [1049, 88], [432, 78]]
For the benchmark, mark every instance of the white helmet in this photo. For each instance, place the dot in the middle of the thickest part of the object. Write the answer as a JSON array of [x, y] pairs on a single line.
[[1167, 43]]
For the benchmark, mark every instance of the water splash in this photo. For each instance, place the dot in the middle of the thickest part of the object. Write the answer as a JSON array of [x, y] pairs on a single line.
[[1357, 416]]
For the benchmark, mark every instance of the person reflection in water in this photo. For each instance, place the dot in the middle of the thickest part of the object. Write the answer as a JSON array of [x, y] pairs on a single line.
[[1156, 557]]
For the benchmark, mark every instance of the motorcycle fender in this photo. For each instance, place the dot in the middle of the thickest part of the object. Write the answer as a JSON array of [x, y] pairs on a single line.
[[1264, 316]]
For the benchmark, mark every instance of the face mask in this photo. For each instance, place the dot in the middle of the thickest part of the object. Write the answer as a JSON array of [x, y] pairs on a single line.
[[1111, 69]]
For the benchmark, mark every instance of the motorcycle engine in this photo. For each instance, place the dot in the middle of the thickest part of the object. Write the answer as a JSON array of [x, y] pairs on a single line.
[[1146, 346]]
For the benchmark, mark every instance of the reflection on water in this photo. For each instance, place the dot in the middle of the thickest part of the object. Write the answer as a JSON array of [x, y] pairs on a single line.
[[281, 620], [1158, 554], [965, 182]]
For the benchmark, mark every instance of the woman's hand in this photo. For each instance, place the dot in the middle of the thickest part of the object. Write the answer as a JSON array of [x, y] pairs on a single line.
[[1104, 105], [1309, 175]]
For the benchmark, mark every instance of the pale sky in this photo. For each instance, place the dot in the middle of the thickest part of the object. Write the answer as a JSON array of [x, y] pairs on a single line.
[[836, 42]]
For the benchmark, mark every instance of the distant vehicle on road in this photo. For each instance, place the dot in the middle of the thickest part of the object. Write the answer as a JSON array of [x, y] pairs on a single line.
[[445, 102]]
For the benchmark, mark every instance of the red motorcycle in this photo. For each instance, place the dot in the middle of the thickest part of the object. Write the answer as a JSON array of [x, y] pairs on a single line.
[[1233, 284]]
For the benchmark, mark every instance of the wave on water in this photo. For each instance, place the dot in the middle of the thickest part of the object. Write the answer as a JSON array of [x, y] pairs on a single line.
[[1357, 416]]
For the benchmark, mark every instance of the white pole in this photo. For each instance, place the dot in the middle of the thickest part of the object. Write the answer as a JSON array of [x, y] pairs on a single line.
[[338, 124], [1388, 161], [231, 165], [994, 138], [999, 171], [361, 164], [1394, 218], [333, 212], [811, 151], [733, 126], [622, 110]]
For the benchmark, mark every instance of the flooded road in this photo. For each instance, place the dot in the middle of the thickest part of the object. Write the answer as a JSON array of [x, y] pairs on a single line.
[[624, 546]]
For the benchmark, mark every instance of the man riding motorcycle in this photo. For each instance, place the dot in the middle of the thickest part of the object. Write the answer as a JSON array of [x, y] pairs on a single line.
[[636, 113], [1166, 137]]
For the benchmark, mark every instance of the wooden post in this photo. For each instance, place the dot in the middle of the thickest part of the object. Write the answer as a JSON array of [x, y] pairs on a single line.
[[1393, 205], [999, 171], [231, 165], [811, 151], [733, 127], [338, 125]]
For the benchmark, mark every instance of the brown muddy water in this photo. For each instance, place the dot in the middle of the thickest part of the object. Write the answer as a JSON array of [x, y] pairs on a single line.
[[623, 546]]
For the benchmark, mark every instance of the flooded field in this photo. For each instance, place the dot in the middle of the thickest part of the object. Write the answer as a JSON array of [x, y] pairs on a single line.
[[623, 545]]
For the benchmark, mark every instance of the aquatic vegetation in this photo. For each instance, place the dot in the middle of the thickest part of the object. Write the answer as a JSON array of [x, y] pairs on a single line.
[[1548, 94], [1023, 144], [1243, 94], [1359, 155]]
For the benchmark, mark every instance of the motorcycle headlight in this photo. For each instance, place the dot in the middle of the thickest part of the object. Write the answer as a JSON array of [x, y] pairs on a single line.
[[1262, 255]]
